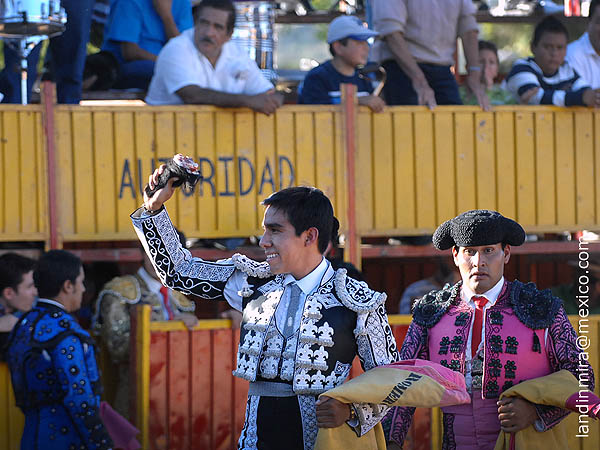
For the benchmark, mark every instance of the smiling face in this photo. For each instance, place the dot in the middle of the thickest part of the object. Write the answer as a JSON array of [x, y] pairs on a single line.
[[287, 252], [481, 267], [211, 32], [550, 51]]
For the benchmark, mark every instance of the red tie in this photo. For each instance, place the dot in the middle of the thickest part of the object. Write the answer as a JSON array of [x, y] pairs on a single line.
[[480, 302], [165, 295]]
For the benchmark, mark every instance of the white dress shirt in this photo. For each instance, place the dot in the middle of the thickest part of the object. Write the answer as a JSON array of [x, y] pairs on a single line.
[[466, 294], [180, 64], [585, 60]]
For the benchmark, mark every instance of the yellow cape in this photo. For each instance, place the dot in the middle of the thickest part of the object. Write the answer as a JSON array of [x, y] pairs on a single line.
[[381, 385], [553, 390]]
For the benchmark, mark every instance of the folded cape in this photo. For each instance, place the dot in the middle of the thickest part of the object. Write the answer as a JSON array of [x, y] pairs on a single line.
[[120, 430], [557, 389], [412, 382]]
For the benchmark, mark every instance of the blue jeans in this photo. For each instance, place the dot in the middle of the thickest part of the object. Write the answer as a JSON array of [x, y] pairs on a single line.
[[66, 55], [135, 74], [398, 88], [10, 77]]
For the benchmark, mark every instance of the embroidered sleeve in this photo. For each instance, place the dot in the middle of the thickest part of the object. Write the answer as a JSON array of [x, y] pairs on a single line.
[[175, 266], [77, 372], [564, 354], [397, 421], [376, 346]]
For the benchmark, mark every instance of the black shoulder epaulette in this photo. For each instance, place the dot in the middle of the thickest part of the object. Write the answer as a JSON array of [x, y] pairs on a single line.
[[429, 309], [534, 308]]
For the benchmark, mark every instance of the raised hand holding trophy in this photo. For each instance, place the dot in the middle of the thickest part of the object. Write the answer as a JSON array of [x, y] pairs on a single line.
[[181, 167]]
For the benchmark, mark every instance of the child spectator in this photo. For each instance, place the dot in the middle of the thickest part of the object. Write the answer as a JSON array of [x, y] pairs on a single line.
[[489, 63], [546, 78], [347, 39]]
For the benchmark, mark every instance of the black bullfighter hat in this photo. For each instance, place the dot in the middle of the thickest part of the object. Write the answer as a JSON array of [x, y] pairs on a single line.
[[478, 227]]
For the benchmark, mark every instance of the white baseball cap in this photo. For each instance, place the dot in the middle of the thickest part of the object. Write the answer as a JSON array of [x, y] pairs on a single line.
[[348, 27]]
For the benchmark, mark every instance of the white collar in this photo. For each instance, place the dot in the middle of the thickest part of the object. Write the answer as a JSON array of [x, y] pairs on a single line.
[[492, 295], [52, 302], [313, 280], [153, 285]]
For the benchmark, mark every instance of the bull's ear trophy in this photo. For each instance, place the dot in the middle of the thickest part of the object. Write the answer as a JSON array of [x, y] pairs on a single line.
[[181, 167]]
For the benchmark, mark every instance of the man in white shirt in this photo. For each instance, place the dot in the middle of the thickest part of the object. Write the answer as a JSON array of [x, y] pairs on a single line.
[[202, 66], [584, 53], [495, 332]]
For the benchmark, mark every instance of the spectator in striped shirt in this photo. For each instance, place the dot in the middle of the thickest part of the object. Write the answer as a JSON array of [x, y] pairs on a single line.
[[546, 78]]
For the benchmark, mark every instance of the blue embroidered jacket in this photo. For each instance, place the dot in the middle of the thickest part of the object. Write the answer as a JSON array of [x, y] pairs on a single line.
[[56, 381]]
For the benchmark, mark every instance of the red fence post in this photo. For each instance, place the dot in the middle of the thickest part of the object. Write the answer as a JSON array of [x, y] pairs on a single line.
[[349, 114], [48, 102]]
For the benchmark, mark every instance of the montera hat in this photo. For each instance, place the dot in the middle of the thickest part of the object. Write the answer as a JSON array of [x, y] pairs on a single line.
[[348, 27], [478, 227]]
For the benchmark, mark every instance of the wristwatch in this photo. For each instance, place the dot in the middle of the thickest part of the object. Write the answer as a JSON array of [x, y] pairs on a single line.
[[353, 415]]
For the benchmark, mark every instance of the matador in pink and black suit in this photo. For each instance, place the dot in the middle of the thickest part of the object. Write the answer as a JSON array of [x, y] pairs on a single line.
[[524, 333]]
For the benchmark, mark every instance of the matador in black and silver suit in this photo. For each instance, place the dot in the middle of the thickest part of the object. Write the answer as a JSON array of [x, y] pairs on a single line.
[[299, 336]]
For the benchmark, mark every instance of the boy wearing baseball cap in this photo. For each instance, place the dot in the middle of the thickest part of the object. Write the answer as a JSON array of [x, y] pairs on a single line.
[[347, 38]]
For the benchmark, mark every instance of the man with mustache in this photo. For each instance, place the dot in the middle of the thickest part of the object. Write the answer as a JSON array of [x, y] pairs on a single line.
[[202, 67], [303, 322], [495, 332]]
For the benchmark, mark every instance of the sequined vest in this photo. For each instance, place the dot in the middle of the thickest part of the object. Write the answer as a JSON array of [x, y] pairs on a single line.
[[514, 347], [317, 357]]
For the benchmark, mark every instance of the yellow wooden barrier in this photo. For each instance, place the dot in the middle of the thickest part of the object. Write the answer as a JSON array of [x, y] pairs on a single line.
[[415, 168], [12, 421], [538, 165], [23, 193], [106, 155]]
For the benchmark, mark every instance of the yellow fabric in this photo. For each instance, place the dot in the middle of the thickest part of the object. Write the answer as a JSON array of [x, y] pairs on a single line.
[[344, 438], [182, 302], [394, 386], [553, 390]]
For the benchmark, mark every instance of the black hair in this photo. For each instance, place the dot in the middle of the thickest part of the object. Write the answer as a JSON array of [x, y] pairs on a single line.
[[12, 268], [548, 25], [53, 269], [223, 5], [343, 41], [487, 45], [335, 228], [305, 207], [593, 5]]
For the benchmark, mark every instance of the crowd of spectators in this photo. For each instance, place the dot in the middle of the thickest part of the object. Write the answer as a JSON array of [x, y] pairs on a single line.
[[177, 56]]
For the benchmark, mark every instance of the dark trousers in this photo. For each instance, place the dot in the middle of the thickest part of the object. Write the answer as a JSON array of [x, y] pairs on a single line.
[[66, 54], [279, 424], [398, 88]]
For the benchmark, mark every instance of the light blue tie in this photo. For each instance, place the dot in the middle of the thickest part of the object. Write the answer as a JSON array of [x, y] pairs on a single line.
[[295, 291]]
